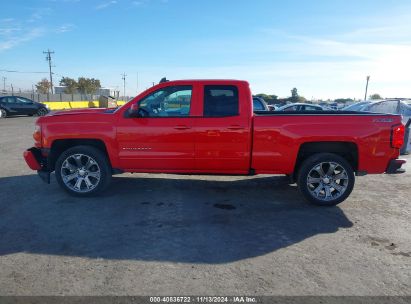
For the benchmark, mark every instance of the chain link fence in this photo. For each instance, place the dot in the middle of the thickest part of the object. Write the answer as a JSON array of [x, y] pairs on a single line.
[[57, 97]]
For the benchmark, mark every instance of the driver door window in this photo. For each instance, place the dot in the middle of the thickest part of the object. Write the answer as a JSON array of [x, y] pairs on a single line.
[[171, 101], [310, 108], [22, 100]]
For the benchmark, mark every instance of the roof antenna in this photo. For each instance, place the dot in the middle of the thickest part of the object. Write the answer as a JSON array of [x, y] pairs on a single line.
[[164, 79]]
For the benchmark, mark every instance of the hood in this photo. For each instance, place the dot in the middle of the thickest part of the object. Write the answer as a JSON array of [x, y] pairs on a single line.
[[79, 111]]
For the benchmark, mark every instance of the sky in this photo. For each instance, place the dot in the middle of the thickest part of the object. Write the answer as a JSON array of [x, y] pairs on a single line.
[[323, 48]]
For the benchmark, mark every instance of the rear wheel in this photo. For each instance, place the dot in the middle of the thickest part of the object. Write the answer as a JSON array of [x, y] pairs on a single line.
[[326, 179], [83, 171], [3, 113]]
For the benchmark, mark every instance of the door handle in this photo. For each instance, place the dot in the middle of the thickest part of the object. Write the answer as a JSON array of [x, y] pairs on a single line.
[[181, 127], [235, 127]]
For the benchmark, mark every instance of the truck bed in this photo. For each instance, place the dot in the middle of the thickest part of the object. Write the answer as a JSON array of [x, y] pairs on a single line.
[[278, 137]]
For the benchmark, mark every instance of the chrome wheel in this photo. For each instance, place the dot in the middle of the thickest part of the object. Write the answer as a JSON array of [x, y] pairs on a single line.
[[80, 173], [3, 113], [327, 181]]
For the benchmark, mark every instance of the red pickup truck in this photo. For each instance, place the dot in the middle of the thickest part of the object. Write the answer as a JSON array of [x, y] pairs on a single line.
[[209, 127]]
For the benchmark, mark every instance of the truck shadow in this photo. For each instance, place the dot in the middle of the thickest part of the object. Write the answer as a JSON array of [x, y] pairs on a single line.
[[155, 218]]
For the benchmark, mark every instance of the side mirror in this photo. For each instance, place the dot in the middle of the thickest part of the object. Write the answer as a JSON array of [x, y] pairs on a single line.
[[134, 108], [133, 112], [136, 111]]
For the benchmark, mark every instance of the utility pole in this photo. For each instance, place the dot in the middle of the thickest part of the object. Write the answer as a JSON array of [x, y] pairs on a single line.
[[4, 83], [124, 85], [366, 88], [48, 58]]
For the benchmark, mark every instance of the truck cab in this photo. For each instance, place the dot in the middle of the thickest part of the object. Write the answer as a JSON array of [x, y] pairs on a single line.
[[194, 126]]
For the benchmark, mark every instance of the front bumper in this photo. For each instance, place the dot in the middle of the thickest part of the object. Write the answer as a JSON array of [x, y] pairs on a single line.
[[37, 162], [394, 166]]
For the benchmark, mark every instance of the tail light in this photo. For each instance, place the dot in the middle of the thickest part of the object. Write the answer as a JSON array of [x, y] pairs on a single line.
[[397, 136]]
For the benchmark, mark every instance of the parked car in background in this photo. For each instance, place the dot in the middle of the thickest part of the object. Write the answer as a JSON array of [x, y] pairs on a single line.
[[358, 106], [300, 107], [15, 105], [388, 106], [259, 104]]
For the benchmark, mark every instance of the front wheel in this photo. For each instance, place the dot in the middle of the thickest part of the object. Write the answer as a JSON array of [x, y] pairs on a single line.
[[326, 179], [83, 171]]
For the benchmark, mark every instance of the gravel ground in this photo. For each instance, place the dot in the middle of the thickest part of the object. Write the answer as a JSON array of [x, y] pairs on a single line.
[[190, 235]]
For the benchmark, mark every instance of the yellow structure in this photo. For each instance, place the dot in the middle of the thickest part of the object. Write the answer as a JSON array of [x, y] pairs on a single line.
[[66, 105]]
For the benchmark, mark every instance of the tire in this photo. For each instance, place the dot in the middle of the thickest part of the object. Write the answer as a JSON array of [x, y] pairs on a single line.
[[325, 179], [41, 112], [3, 113], [83, 171]]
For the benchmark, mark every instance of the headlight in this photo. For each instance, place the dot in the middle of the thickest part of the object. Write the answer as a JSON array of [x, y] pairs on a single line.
[[37, 134], [48, 107]]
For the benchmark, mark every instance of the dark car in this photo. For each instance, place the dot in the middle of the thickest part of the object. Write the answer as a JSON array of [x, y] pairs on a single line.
[[15, 105], [300, 107]]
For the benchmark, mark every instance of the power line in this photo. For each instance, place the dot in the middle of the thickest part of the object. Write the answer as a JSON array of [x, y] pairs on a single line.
[[13, 71], [48, 58]]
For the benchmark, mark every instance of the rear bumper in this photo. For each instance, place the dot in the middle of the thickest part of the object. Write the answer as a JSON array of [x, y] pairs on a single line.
[[37, 162], [394, 166]]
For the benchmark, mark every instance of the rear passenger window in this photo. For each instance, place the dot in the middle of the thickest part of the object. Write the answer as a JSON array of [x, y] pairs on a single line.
[[8, 100], [220, 101], [310, 108], [292, 108]]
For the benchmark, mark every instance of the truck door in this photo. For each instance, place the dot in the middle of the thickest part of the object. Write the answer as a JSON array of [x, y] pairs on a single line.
[[163, 139], [222, 142]]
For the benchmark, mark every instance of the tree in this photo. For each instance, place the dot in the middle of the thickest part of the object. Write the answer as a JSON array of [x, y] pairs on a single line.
[[88, 85], [294, 95], [375, 96], [43, 86], [270, 99], [70, 84]]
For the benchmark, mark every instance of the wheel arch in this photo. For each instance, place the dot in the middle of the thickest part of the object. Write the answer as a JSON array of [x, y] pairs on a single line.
[[58, 146], [347, 150]]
